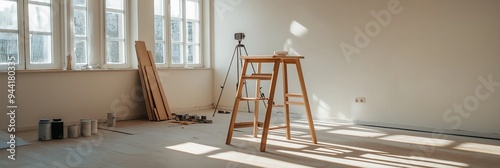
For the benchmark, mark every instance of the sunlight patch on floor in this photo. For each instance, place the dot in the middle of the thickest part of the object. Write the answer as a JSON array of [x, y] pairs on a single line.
[[418, 140], [382, 162], [481, 148], [430, 160], [409, 161], [333, 159], [253, 160], [331, 145], [193, 148], [274, 142]]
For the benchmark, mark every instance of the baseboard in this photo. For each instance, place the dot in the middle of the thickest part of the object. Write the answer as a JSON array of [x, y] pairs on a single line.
[[430, 130]]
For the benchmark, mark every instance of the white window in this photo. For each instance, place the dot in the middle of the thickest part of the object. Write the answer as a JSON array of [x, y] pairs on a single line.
[[80, 31], [40, 32], [26, 32], [115, 33], [9, 32], [183, 44]]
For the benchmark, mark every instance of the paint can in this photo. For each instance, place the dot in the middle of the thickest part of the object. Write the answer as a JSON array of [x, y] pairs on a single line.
[[73, 131], [44, 133], [111, 122], [85, 127], [57, 128], [94, 126]]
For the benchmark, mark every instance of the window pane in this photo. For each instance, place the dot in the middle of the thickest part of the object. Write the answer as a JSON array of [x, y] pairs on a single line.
[[159, 50], [177, 54], [159, 31], [39, 18], [192, 10], [82, 3], [114, 4], [114, 25], [176, 31], [40, 51], [80, 22], [114, 50], [159, 7], [8, 47], [193, 54], [8, 15], [175, 8], [81, 51], [45, 1], [193, 32]]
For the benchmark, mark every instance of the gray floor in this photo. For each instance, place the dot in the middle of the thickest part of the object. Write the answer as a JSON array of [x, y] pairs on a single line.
[[161, 144]]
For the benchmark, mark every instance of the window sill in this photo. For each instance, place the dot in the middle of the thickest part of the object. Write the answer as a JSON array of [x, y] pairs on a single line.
[[70, 71], [179, 68]]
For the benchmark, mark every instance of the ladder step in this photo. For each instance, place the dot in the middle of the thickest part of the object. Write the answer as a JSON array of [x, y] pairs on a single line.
[[275, 127], [247, 124], [279, 105], [258, 76], [294, 95], [252, 98], [295, 103]]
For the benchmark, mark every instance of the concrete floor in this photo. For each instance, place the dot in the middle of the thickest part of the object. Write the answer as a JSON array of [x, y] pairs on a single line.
[[160, 144]]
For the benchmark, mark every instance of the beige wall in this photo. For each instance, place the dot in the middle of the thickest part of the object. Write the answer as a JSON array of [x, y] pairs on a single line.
[[412, 68], [72, 95]]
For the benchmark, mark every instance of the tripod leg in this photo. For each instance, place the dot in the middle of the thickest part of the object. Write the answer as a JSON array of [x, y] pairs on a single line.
[[225, 80]]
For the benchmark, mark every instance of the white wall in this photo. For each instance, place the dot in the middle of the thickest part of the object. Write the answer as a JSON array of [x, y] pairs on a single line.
[[427, 58]]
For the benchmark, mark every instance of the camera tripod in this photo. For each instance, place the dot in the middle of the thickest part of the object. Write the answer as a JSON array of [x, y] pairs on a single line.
[[237, 53]]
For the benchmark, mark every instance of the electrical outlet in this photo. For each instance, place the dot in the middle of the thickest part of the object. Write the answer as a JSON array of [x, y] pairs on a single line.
[[360, 100]]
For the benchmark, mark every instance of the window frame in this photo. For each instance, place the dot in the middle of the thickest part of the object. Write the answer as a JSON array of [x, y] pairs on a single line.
[[24, 34], [168, 45], [20, 62], [75, 38], [124, 40]]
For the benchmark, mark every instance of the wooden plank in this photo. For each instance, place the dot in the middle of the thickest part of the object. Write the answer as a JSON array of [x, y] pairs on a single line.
[[142, 57], [148, 94], [155, 90], [158, 105], [145, 91], [142, 53], [162, 91]]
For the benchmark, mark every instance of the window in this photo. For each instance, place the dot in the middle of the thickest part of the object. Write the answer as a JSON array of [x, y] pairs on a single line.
[[26, 32], [9, 32], [40, 32], [184, 32], [115, 32], [80, 31]]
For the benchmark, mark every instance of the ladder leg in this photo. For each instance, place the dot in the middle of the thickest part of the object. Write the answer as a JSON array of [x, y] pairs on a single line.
[[306, 102], [235, 107], [256, 109], [267, 120], [285, 99]]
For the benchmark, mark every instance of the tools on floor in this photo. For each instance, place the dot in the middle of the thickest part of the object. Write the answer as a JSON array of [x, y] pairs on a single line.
[[154, 95], [186, 119], [223, 112]]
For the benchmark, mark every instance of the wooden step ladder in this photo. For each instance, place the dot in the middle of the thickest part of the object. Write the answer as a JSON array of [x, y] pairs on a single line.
[[258, 76]]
